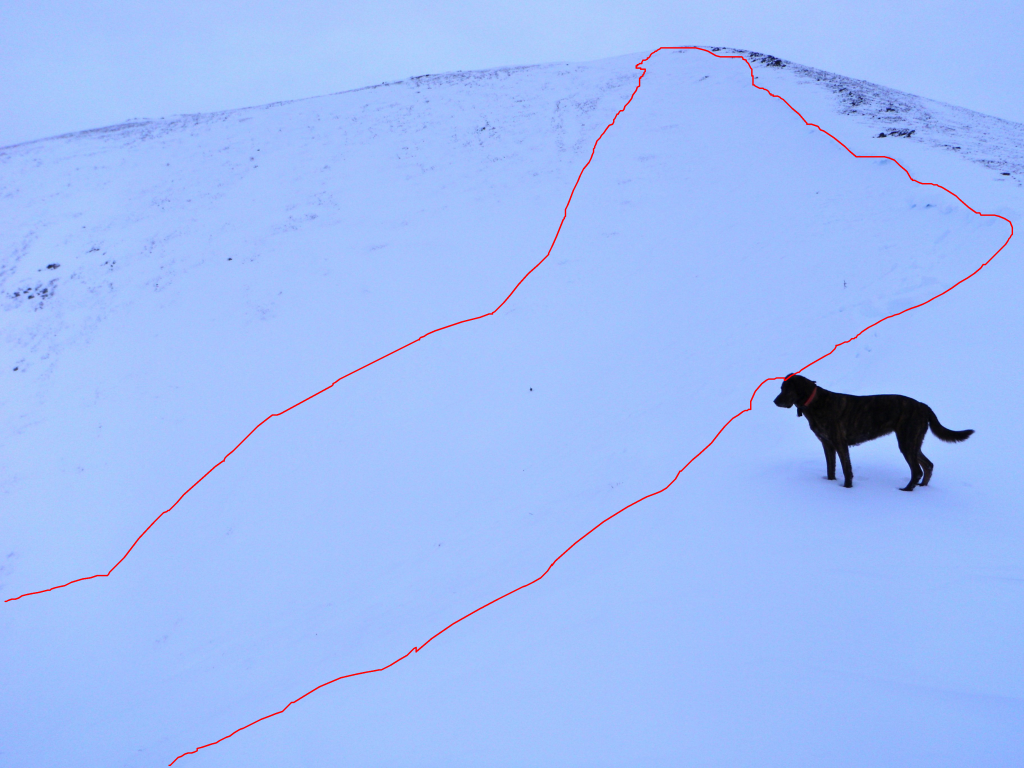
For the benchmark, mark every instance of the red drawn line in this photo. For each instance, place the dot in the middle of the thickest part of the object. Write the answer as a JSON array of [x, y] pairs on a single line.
[[565, 212], [419, 648], [750, 406]]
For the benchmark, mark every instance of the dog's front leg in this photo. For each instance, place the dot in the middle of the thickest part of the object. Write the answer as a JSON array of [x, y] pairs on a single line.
[[844, 458], [830, 459]]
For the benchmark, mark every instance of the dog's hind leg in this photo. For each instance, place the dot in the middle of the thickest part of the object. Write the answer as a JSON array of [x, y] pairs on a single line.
[[830, 459], [844, 459], [928, 467], [911, 450]]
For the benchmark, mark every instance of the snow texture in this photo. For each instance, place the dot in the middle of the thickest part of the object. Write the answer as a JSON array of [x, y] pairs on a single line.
[[167, 284]]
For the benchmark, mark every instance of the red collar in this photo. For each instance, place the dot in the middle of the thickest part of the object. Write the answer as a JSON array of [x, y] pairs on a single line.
[[813, 393]]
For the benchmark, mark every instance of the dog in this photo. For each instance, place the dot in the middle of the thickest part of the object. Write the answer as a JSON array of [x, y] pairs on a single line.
[[840, 421]]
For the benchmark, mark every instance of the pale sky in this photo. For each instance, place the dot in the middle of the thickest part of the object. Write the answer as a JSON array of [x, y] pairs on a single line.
[[67, 66]]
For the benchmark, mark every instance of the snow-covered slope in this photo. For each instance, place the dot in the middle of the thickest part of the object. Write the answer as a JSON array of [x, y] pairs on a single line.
[[168, 284]]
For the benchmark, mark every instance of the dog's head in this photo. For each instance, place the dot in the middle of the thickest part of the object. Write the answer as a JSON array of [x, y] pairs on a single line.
[[795, 391]]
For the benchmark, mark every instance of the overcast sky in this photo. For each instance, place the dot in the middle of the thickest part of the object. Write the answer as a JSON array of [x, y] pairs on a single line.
[[67, 66]]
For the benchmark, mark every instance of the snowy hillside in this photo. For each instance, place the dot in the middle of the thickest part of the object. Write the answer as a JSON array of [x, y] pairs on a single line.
[[165, 285]]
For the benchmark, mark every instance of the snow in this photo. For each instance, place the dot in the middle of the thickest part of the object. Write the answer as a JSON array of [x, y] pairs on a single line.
[[215, 269]]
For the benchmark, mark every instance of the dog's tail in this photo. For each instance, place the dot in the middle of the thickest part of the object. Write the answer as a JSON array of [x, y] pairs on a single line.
[[946, 435]]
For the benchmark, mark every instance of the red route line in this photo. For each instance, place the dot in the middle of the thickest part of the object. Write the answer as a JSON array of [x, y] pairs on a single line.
[[750, 406], [565, 212]]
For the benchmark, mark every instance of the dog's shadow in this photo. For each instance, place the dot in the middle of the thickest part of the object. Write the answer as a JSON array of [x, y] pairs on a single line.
[[874, 474]]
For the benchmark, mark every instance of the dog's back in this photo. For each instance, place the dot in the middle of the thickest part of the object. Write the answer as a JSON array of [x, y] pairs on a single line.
[[866, 417]]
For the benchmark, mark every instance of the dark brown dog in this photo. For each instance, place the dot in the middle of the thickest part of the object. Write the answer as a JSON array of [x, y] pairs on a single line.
[[840, 421]]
